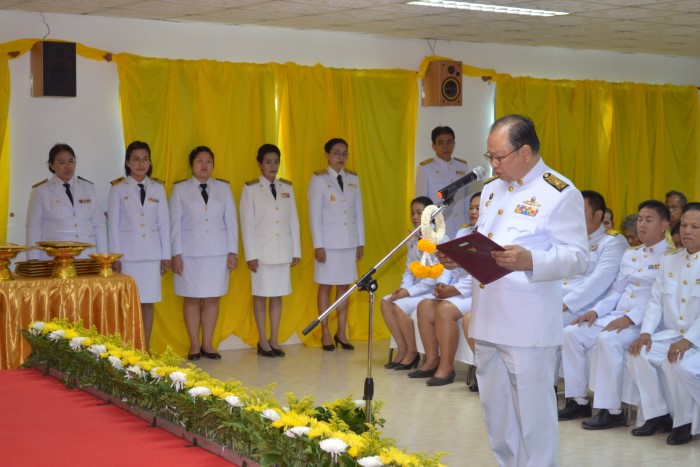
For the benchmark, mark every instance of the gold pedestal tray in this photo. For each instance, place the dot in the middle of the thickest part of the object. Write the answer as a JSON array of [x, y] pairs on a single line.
[[105, 261], [7, 252], [63, 254]]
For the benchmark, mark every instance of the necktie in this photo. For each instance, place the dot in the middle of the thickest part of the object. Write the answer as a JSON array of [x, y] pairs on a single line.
[[70, 195], [272, 189], [143, 193], [340, 181], [203, 187]]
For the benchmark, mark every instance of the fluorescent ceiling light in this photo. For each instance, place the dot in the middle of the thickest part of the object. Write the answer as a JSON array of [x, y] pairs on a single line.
[[487, 8]]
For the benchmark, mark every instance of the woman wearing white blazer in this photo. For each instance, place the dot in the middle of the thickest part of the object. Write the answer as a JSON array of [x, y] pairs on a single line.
[[204, 239], [139, 228], [64, 207], [270, 227]]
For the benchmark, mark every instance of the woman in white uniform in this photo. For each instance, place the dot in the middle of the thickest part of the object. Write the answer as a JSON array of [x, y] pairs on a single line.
[[204, 239], [338, 235], [270, 228], [139, 228], [64, 207]]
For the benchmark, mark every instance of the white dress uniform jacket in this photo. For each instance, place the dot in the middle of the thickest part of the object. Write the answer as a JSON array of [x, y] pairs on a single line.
[[605, 250], [270, 226], [435, 174], [51, 216], [199, 229], [140, 233], [337, 220]]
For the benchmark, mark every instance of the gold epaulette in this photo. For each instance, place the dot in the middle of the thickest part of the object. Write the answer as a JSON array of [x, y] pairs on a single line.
[[464, 226], [285, 181], [117, 181], [490, 179], [40, 183], [180, 181], [612, 232], [157, 180], [460, 160], [320, 172], [427, 161], [252, 182], [351, 172], [85, 180], [555, 181], [222, 180], [672, 251], [635, 247]]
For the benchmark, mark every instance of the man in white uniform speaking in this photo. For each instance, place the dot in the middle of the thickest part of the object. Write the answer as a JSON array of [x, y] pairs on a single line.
[[538, 216]]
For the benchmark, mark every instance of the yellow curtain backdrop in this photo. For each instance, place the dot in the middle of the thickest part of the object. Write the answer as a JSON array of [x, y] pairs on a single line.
[[628, 141], [234, 108], [4, 143]]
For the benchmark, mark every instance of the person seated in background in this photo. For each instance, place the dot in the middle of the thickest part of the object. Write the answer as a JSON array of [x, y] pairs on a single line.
[[608, 219], [397, 307], [675, 232], [675, 202], [611, 325], [629, 230], [670, 327]]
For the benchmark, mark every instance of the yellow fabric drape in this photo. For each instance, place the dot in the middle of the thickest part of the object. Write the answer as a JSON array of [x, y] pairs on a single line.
[[628, 141], [4, 144], [234, 108]]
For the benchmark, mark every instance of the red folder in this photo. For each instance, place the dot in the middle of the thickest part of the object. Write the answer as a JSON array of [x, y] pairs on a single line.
[[473, 253]]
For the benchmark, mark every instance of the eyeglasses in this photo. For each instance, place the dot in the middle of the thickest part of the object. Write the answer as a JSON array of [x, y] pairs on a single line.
[[499, 160], [339, 154], [673, 207]]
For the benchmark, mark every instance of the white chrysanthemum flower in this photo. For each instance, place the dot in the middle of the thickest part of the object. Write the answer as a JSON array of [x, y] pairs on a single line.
[[116, 362], [360, 404], [233, 401], [77, 343], [334, 447], [270, 414], [179, 379], [134, 371], [371, 461], [154, 374], [297, 431], [57, 335], [199, 391], [37, 327], [97, 349]]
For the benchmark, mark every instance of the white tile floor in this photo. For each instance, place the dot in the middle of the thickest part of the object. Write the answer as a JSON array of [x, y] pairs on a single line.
[[431, 419]]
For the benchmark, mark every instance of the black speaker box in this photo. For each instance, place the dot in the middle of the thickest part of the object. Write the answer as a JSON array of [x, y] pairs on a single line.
[[53, 69]]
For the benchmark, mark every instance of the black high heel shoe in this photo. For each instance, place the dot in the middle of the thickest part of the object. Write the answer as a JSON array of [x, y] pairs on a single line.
[[278, 352], [265, 353], [391, 365], [344, 345], [408, 366], [211, 355]]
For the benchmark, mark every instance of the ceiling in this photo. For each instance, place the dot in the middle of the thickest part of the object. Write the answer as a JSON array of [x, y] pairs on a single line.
[[662, 27]]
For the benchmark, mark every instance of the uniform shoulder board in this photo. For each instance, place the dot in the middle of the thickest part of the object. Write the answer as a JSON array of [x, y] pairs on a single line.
[[672, 251], [464, 226], [40, 183], [351, 172], [285, 181], [490, 179], [612, 232], [460, 160], [117, 181], [555, 181], [157, 180], [180, 181], [320, 172], [85, 180], [252, 182], [427, 161], [222, 180], [635, 247]]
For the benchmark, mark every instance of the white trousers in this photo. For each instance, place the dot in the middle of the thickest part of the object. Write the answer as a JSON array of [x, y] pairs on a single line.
[[519, 404], [609, 368], [577, 341]]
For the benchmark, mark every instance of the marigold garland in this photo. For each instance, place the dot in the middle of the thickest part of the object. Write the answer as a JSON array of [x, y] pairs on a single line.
[[428, 266]]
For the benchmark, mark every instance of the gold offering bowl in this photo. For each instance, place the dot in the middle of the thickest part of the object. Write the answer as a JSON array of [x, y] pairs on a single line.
[[63, 254], [105, 261], [7, 252]]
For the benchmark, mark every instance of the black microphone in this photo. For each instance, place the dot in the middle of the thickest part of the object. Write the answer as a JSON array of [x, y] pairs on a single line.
[[450, 190]]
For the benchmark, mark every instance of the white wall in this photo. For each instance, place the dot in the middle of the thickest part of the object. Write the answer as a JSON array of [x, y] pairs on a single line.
[[91, 122]]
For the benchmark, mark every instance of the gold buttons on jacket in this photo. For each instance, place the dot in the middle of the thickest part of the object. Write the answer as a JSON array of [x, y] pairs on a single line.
[[490, 235], [481, 286], [566, 282], [510, 188], [500, 211], [683, 300]]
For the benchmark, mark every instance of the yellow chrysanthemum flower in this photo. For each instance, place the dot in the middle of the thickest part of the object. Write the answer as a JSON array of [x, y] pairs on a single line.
[[321, 430], [217, 391], [87, 342], [50, 327], [70, 334]]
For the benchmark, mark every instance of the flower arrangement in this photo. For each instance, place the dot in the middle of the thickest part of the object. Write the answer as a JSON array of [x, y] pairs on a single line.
[[249, 420], [428, 266]]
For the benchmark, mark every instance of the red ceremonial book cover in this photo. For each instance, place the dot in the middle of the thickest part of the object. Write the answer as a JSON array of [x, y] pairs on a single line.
[[473, 253]]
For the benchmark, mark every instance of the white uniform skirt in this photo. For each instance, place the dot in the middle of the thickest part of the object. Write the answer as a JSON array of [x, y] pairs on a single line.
[[463, 304], [271, 280], [340, 267], [202, 277], [147, 277], [408, 304]]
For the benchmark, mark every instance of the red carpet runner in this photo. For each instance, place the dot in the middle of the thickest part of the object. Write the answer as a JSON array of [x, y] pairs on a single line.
[[43, 423]]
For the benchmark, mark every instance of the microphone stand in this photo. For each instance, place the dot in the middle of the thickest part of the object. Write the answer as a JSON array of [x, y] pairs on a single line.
[[368, 284]]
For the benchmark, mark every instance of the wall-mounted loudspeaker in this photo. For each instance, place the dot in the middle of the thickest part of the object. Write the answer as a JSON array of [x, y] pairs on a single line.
[[53, 69], [442, 84]]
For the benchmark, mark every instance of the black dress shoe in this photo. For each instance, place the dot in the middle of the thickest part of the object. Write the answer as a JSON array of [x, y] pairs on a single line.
[[391, 365], [410, 365], [434, 381], [193, 356], [661, 424], [278, 352], [680, 435], [474, 387], [422, 373], [604, 420], [212, 355], [265, 353], [574, 410]]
